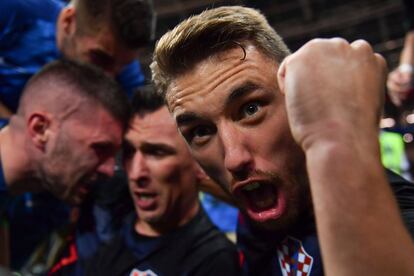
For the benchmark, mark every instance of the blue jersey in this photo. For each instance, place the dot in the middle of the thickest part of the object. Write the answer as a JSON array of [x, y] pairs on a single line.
[[197, 248], [266, 253], [28, 42], [297, 252]]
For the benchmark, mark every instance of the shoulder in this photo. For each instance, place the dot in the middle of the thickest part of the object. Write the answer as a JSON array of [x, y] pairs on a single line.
[[131, 77], [404, 195], [210, 253], [31, 9], [223, 262], [110, 258]]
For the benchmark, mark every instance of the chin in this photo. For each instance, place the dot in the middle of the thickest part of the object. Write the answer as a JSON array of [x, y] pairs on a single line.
[[280, 225]]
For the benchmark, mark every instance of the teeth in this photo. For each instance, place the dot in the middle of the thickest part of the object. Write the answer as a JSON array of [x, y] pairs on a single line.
[[251, 187], [146, 197]]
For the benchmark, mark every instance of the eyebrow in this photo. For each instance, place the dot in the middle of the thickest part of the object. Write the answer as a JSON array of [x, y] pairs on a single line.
[[241, 91], [149, 146], [244, 89]]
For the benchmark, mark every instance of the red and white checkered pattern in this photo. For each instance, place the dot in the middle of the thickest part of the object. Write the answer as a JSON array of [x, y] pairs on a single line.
[[136, 272], [293, 259]]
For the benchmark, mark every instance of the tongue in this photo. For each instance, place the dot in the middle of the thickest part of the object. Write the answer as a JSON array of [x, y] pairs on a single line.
[[262, 198]]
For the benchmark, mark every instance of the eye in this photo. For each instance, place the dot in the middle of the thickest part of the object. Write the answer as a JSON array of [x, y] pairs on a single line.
[[202, 131], [157, 152], [103, 150], [199, 134], [250, 109]]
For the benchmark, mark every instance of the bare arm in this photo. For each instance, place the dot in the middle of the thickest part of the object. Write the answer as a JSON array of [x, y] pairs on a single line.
[[334, 96], [400, 80]]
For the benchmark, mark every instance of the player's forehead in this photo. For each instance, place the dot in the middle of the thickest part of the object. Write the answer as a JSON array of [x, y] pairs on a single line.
[[157, 126], [207, 87]]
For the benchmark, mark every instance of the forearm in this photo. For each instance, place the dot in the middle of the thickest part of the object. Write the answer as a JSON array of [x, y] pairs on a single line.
[[407, 54], [358, 221]]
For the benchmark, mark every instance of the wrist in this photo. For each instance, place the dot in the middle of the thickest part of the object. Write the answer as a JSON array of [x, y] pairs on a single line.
[[343, 139]]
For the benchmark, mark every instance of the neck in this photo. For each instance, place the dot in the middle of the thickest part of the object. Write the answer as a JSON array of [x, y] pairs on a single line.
[[167, 224]]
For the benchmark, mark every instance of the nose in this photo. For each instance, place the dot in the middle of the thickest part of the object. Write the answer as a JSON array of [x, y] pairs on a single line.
[[137, 168], [107, 167], [238, 159]]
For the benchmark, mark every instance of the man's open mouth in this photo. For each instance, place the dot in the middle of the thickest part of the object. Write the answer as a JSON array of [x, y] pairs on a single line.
[[146, 200], [262, 200]]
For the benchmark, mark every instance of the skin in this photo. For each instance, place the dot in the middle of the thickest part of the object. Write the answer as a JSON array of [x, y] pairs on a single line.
[[224, 108], [354, 207], [62, 155], [162, 174], [335, 124], [81, 151], [99, 47], [400, 83]]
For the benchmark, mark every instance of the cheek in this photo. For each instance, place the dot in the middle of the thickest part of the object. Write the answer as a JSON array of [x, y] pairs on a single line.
[[210, 158], [163, 171]]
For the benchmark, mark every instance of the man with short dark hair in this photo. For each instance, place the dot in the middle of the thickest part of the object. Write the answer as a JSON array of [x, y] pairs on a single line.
[[169, 232], [65, 134], [294, 139], [52, 142], [106, 33]]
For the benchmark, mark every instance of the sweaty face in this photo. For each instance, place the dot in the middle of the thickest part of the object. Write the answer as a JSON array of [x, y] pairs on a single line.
[[82, 151], [100, 48], [161, 171], [233, 117]]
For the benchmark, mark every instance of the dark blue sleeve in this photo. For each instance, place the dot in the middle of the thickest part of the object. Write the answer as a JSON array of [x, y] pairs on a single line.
[[131, 78], [13, 11]]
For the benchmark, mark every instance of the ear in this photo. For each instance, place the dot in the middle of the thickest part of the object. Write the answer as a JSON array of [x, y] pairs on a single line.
[[38, 126], [66, 24]]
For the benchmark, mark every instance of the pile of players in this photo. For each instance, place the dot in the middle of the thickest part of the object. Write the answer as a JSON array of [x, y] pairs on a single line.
[[291, 139]]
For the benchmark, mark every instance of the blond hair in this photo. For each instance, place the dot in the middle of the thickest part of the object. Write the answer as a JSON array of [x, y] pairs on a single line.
[[208, 33]]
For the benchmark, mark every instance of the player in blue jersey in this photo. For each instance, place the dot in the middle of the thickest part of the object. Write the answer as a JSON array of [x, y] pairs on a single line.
[[169, 233], [107, 33], [52, 143], [293, 138]]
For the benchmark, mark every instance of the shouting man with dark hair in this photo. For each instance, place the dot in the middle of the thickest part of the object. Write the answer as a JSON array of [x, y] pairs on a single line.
[[169, 232], [107, 33], [53, 142]]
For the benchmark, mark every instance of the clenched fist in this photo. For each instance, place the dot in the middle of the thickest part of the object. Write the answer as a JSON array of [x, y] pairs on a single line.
[[333, 90]]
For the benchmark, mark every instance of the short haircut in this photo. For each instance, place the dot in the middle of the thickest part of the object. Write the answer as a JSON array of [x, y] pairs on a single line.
[[211, 32], [75, 77], [146, 100], [133, 21]]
